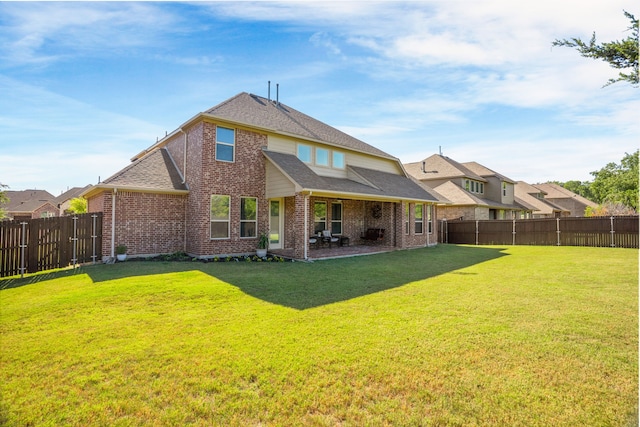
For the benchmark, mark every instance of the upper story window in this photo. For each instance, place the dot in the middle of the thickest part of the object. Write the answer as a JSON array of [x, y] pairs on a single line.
[[504, 188], [225, 144], [304, 153], [322, 157], [473, 186]]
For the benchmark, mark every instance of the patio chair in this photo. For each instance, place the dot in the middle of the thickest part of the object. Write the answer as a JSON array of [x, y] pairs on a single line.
[[327, 237]]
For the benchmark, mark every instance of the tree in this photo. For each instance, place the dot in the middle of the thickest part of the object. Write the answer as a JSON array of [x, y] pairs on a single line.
[[617, 184], [78, 205], [582, 188], [619, 54], [4, 199]]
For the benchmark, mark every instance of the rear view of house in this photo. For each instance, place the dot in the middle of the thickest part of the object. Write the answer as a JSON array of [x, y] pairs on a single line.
[[250, 166]]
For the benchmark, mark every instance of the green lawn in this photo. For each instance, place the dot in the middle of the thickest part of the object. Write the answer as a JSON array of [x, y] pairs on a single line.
[[444, 336]]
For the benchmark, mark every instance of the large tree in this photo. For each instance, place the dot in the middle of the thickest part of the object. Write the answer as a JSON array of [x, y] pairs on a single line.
[[619, 54], [617, 183]]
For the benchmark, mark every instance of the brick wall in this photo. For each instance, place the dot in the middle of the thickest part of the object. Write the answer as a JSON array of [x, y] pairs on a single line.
[[146, 223], [245, 177]]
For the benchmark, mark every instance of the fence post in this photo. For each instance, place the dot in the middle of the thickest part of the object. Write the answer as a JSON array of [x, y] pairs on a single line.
[[514, 232], [558, 229], [477, 231], [613, 241], [75, 241], [22, 248], [93, 238]]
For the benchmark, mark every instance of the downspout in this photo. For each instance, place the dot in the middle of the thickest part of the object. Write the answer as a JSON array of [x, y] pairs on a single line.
[[429, 219], [113, 222]]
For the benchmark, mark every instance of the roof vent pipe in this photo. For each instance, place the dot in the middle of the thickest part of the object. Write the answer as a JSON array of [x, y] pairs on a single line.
[[278, 94], [269, 90]]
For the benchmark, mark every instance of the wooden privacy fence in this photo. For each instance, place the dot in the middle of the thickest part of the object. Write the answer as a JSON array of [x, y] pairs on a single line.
[[47, 243], [615, 231]]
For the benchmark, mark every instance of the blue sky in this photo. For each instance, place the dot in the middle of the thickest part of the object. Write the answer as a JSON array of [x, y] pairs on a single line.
[[85, 86]]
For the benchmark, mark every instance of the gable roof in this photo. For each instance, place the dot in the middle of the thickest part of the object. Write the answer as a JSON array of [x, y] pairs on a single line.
[[555, 191], [72, 193], [484, 171], [364, 183], [154, 172], [256, 111], [456, 195], [28, 200], [441, 167]]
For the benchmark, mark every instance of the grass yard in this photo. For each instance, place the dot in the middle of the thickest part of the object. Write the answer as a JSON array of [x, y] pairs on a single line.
[[444, 336]]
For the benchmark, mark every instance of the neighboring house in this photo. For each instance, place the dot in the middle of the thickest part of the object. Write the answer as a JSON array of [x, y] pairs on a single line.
[[29, 204], [63, 201], [475, 192], [529, 195], [249, 166], [568, 200]]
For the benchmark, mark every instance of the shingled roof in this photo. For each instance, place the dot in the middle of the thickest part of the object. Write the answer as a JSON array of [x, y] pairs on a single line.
[[369, 182], [155, 171], [441, 167], [256, 111]]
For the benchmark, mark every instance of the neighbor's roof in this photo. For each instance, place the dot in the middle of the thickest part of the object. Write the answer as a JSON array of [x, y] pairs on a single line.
[[441, 167], [457, 196], [154, 172], [28, 200], [363, 183], [72, 193], [555, 191], [484, 171]]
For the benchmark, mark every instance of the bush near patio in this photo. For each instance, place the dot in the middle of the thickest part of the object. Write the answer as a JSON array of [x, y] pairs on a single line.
[[451, 335]]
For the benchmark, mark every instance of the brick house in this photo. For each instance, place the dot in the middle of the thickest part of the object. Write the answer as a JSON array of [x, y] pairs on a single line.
[[249, 166], [574, 203], [474, 191], [535, 198], [30, 204]]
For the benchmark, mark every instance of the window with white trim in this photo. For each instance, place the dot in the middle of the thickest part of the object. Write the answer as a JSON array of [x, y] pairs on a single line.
[[304, 153], [418, 219], [248, 216], [225, 144], [322, 156], [219, 212], [338, 160]]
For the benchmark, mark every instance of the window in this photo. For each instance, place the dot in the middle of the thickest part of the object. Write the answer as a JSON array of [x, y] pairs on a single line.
[[319, 216], [338, 160], [430, 219], [406, 218], [304, 153], [248, 216], [322, 157], [466, 184], [481, 188], [225, 142], [418, 221], [504, 188], [219, 217], [336, 218]]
